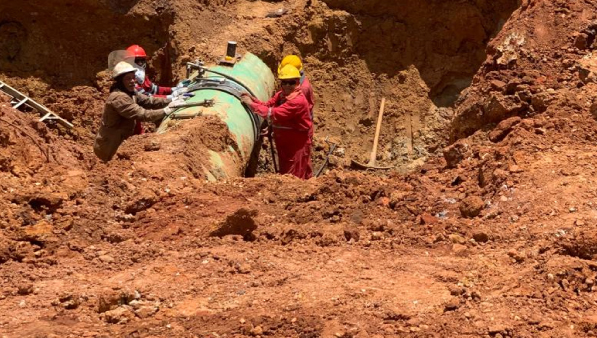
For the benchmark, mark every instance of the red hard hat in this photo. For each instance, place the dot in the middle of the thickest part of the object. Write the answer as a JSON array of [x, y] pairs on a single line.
[[136, 51]]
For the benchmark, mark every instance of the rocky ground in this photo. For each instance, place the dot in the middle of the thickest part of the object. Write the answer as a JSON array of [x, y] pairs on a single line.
[[485, 228]]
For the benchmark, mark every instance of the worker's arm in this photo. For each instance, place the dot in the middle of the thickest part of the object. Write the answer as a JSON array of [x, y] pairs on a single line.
[[151, 102], [284, 112], [127, 108], [261, 108]]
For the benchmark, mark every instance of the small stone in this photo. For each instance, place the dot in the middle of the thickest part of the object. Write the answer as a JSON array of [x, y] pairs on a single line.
[[106, 258], [579, 222], [471, 206], [146, 311], [376, 236], [518, 257], [243, 268], [120, 315], [456, 290], [496, 328], [456, 153], [503, 128], [352, 233], [428, 219], [480, 237], [257, 331], [457, 239], [497, 85], [25, 289], [452, 305]]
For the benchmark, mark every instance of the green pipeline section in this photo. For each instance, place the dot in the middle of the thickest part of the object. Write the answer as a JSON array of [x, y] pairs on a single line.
[[217, 91]]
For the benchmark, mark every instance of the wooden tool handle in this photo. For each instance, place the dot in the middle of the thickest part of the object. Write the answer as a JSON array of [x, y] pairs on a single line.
[[377, 130]]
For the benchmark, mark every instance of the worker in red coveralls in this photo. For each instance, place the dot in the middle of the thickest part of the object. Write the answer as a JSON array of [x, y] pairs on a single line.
[[305, 83], [145, 86], [290, 118]]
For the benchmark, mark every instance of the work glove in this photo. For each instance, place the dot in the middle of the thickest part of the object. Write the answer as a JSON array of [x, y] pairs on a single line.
[[175, 103], [180, 93], [183, 83], [246, 98]]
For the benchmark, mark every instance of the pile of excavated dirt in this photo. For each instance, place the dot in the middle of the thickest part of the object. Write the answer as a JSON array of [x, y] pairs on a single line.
[[492, 235]]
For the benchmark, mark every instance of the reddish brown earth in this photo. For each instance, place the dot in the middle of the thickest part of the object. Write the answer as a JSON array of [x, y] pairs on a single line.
[[486, 228]]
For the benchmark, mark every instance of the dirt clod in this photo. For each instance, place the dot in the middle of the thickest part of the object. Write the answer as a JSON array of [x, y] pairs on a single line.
[[471, 206]]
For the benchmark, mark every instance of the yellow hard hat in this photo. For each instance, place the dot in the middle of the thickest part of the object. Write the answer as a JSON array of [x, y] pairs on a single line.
[[122, 67], [291, 60], [289, 72]]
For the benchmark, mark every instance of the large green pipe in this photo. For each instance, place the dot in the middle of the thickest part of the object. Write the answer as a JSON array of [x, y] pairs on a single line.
[[220, 87]]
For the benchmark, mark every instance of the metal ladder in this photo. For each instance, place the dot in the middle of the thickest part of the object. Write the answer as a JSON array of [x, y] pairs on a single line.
[[19, 99]]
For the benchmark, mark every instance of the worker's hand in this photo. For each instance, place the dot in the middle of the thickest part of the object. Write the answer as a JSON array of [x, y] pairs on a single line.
[[176, 103], [179, 92], [246, 98]]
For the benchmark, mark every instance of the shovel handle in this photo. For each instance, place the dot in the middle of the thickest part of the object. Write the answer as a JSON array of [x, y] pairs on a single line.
[[377, 130]]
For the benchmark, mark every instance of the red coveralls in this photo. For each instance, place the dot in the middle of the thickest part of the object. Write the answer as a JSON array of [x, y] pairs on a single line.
[[291, 120], [150, 89], [308, 91]]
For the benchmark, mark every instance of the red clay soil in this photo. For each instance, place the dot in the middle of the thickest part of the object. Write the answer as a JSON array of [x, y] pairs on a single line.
[[496, 238]]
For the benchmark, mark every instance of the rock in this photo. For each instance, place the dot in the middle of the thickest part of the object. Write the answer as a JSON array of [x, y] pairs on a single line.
[[480, 237], [452, 305], [257, 331], [25, 289], [146, 311], [41, 232], [497, 328], [471, 206], [581, 41], [153, 145], [396, 197], [106, 258], [243, 268], [499, 107], [457, 239], [540, 101], [587, 69], [498, 85], [70, 301], [111, 299], [428, 219], [503, 129], [457, 290], [507, 51], [351, 232], [376, 236], [120, 315], [518, 257], [143, 201], [456, 152]]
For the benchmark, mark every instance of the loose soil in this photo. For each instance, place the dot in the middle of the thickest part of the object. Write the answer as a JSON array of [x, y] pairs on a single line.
[[486, 227]]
